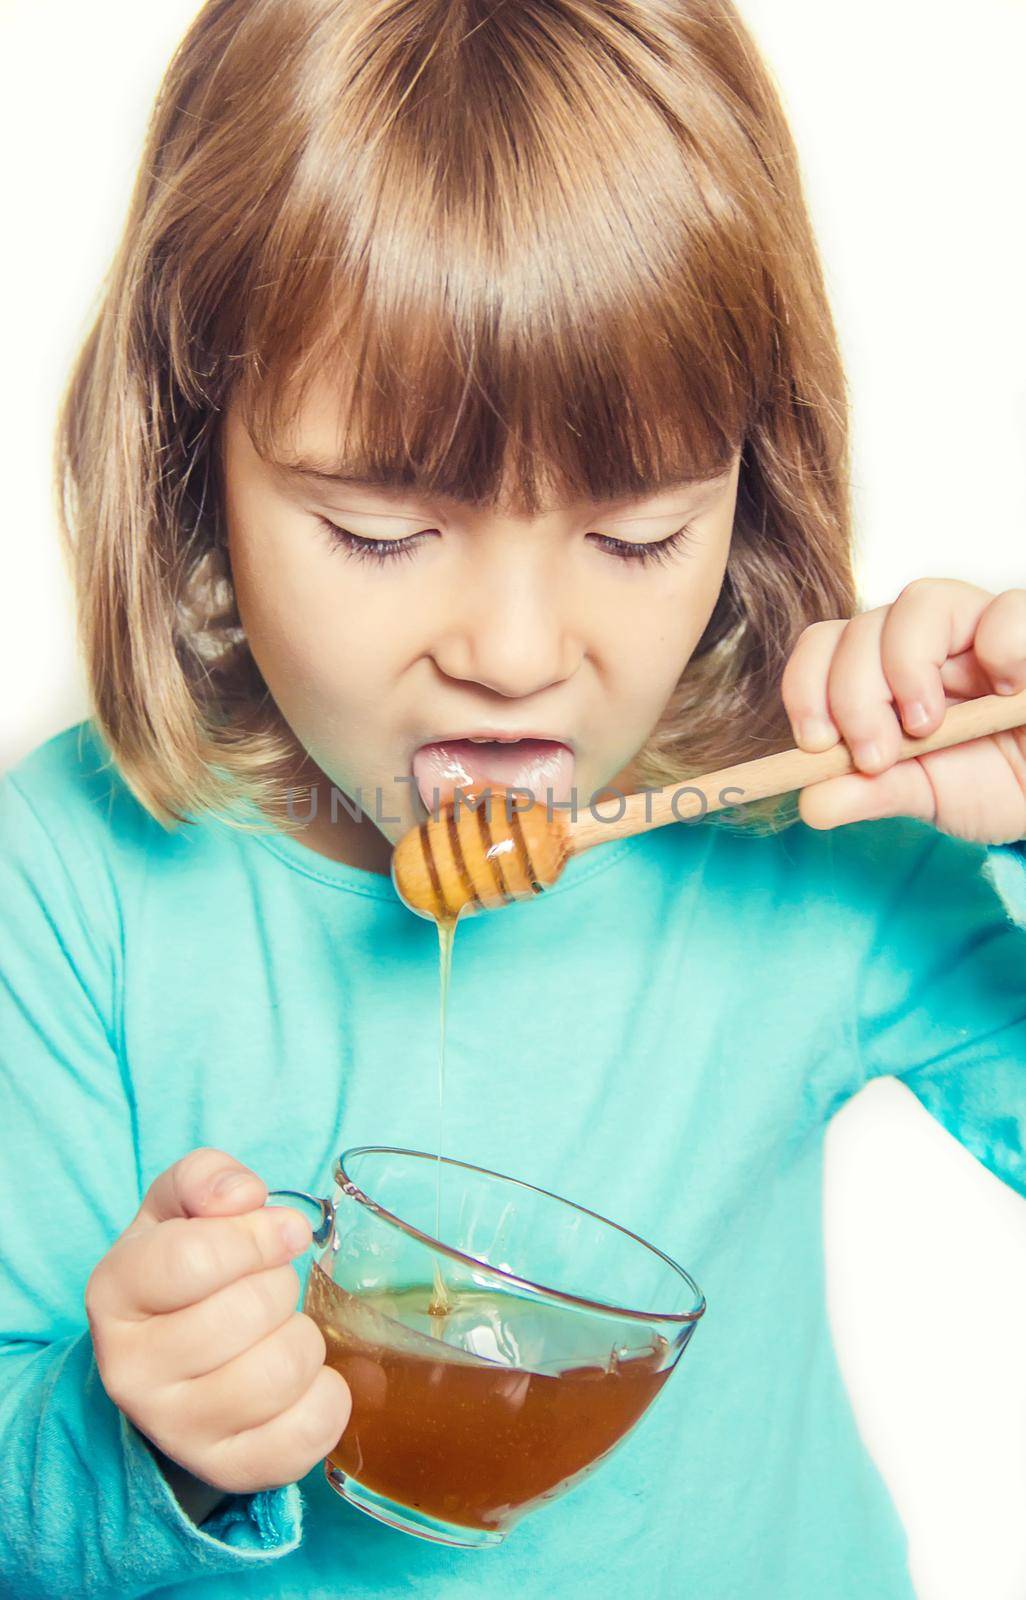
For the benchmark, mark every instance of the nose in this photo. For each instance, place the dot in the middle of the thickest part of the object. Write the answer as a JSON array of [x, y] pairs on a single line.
[[508, 631]]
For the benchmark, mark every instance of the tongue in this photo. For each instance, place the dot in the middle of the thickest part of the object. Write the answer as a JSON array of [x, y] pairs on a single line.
[[535, 764]]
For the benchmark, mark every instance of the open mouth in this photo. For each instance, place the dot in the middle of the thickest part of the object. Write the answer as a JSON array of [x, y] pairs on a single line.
[[537, 765]]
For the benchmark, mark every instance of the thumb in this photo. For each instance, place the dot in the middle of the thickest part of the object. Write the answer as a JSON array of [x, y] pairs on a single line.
[[205, 1183], [904, 790]]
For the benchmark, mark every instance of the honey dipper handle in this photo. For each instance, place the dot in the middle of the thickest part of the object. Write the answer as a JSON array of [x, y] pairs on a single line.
[[778, 774]]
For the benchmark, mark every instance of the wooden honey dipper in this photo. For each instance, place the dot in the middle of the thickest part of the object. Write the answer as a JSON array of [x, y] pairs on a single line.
[[493, 853]]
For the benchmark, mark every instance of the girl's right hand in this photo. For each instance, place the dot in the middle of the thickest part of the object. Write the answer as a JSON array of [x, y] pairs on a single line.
[[197, 1340]]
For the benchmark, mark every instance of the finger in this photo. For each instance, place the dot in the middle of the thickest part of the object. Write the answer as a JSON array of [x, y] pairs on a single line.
[[204, 1180], [257, 1385], [980, 788], [202, 1337], [803, 686], [186, 1259], [963, 677], [293, 1441], [904, 790], [1000, 641], [859, 694], [932, 620]]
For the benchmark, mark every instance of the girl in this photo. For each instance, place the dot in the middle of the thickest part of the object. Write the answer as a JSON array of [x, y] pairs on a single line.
[[465, 369]]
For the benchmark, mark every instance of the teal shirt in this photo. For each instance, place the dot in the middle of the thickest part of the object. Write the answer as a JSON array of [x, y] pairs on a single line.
[[663, 1036]]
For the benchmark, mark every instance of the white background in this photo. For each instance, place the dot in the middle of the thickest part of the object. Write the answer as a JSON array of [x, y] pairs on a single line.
[[912, 146]]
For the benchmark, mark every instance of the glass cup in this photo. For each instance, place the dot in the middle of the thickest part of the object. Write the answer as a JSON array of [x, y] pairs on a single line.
[[494, 1359]]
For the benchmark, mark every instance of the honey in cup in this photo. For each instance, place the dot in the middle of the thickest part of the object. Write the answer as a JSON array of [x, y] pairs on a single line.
[[489, 1374], [463, 1437]]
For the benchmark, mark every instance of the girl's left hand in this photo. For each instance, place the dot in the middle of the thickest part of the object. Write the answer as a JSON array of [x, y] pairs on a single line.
[[892, 672]]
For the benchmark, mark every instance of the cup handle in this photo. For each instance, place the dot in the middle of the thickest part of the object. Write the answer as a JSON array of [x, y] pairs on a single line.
[[324, 1209]]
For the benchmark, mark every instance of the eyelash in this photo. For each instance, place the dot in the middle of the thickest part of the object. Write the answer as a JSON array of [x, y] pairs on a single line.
[[382, 551]]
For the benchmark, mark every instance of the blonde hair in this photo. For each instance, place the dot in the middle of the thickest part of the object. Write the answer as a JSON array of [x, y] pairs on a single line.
[[549, 242]]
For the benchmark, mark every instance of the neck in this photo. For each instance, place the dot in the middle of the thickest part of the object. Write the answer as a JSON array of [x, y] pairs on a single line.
[[332, 832]]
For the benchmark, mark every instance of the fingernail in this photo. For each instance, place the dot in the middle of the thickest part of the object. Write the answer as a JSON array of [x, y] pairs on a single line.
[[866, 753], [230, 1183], [1003, 686], [814, 730], [295, 1233], [916, 715]]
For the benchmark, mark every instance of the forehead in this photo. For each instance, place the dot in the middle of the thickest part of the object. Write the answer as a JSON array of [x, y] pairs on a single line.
[[308, 445], [313, 471]]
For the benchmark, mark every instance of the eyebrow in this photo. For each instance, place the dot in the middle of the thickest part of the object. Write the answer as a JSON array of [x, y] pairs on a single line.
[[352, 477]]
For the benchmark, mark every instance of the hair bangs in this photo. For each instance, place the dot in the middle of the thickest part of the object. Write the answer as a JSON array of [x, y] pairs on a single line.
[[530, 287]]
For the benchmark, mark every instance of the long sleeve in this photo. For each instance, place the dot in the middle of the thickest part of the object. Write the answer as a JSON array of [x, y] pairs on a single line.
[[84, 1507], [940, 993]]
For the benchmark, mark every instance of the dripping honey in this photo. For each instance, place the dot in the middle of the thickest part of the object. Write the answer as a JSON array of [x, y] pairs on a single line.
[[452, 1414]]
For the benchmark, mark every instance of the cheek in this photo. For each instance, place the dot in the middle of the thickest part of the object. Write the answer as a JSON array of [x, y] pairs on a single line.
[[657, 637], [309, 619]]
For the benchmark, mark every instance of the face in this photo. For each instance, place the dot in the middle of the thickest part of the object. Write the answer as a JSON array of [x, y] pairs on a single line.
[[425, 620]]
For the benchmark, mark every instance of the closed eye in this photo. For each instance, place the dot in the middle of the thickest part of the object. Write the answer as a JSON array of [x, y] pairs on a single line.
[[379, 550], [660, 550], [383, 551]]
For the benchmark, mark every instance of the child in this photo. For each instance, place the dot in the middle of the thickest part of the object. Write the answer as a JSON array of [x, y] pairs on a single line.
[[465, 369]]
